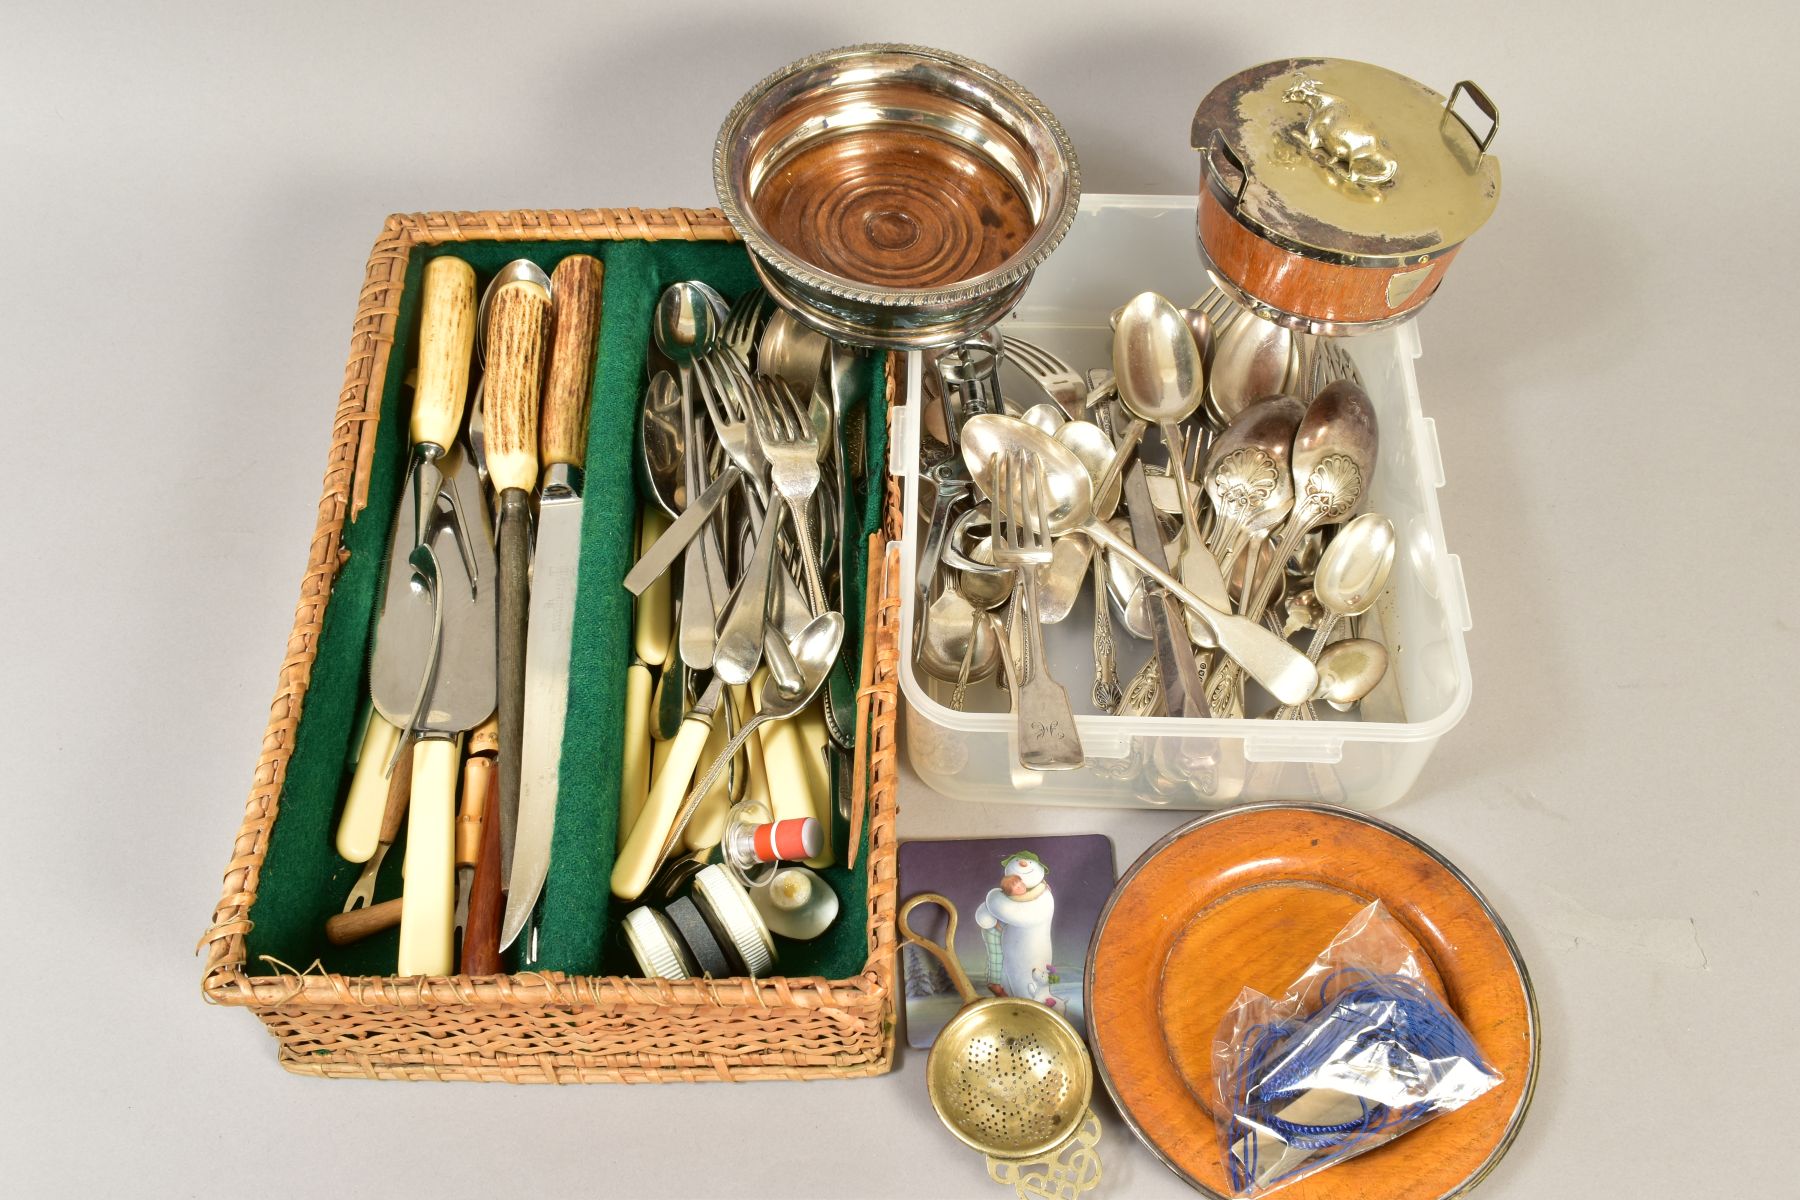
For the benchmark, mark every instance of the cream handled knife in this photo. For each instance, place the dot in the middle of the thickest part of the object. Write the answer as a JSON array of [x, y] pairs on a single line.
[[555, 569], [642, 850], [359, 829]]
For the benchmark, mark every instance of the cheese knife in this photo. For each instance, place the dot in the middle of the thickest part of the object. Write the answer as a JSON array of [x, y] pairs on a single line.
[[555, 572], [450, 644]]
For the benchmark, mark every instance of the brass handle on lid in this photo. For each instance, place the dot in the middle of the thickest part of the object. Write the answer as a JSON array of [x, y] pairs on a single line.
[[1219, 145], [1487, 110]]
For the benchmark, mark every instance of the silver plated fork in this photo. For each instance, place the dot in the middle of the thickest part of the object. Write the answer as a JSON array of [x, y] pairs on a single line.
[[791, 431], [743, 325], [1059, 381], [1219, 308], [730, 405], [1047, 737]]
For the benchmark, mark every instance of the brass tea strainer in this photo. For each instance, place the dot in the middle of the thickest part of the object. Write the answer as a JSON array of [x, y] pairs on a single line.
[[1012, 1079]]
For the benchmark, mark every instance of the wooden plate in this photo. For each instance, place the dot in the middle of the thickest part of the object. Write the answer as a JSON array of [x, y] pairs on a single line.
[[1248, 898]]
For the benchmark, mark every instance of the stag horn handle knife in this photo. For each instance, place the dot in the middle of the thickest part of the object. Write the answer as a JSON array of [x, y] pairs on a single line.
[[574, 340], [517, 323], [555, 571], [518, 319]]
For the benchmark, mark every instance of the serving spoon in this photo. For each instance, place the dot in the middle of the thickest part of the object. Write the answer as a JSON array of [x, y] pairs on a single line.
[[1253, 359], [1161, 379]]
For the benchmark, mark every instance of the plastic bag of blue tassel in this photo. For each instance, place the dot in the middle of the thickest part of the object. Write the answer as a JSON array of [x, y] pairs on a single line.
[[1358, 1050]]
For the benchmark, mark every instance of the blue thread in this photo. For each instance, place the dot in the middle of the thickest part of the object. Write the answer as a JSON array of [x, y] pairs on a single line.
[[1361, 1022]]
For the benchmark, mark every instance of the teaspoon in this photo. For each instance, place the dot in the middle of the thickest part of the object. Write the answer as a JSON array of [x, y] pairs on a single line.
[[1351, 573], [1348, 671]]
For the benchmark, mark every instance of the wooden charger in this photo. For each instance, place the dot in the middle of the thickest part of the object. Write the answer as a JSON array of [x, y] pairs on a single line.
[[1249, 897]]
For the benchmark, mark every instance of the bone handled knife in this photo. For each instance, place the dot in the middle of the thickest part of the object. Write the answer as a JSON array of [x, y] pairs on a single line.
[[555, 571]]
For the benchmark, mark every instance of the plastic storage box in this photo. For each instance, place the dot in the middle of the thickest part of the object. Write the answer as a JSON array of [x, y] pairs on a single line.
[[1119, 246]]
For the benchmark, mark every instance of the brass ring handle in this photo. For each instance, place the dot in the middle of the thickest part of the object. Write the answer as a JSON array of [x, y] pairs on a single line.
[[944, 953], [1487, 110]]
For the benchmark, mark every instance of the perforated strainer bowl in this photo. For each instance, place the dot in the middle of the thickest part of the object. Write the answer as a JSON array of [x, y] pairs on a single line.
[[1009, 1077]]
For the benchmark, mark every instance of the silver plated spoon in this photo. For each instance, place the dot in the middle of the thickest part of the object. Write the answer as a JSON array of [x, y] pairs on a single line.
[[1252, 359], [1161, 378], [1351, 573]]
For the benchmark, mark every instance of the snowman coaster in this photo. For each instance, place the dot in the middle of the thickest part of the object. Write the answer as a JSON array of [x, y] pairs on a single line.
[[1029, 905]]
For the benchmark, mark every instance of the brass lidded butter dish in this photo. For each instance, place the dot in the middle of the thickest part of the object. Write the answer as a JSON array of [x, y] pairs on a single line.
[[895, 196], [1334, 194]]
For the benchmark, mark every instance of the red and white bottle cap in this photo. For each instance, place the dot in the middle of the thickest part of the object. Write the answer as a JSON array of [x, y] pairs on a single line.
[[792, 840]]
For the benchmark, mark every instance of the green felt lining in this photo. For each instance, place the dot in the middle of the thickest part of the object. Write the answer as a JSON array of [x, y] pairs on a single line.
[[303, 881]]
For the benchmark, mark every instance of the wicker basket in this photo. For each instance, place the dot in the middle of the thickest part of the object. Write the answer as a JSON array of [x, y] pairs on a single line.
[[547, 1027]]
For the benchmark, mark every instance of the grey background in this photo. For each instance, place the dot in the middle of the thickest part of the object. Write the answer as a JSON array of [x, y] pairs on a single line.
[[189, 194]]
